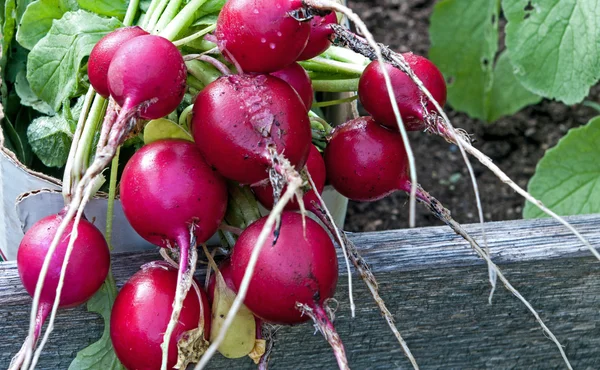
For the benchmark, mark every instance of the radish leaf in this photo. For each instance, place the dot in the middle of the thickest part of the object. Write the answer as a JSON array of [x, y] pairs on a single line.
[[38, 17], [567, 178]]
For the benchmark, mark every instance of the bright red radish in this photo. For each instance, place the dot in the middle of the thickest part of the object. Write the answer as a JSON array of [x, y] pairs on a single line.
[[316, 167], [88, 266], [301, 267], [142, 311], [411, 101], [102, 54], [166, 188], [238, 117], [297, 77], [318, 41], [261, 35], [148, 70], [366, 161]]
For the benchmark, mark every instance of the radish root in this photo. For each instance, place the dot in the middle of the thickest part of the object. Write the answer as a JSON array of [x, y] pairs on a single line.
[[322, 319]]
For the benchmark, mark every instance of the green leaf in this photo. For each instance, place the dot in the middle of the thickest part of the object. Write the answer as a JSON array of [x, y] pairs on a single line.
[[554, 46], [24, 118], [99, 355], [163, 128], [29, 98], [8, 32], [567, 178], [111, 8], [50, 139], [508, 96], [464, 44], [54, 64], [38, 17], [16, 63]]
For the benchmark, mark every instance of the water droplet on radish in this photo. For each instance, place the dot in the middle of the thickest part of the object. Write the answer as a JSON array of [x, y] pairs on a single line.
[[263, 40], [255, 11], [272, 45], [279, 34]]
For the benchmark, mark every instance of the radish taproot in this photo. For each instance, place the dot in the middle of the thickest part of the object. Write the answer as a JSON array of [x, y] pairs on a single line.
[[315, 167], [102, 54], [88, 267], [413, 104], [142, 311], [261, 35], [238, 120], [297, 78], [172, 198]]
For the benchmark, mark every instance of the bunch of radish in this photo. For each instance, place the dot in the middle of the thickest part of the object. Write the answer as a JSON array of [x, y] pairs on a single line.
[[247, 128]]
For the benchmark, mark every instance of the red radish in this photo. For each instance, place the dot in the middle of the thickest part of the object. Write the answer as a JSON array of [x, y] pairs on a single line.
[[142, 311], [301, 267], [88, 266], [366, 161], [148, 70], [316, 167], [297, 77], [261, 35], [170, 194], [166, 188], [318, 40], [102, 54], [238, 117], [413, 104]]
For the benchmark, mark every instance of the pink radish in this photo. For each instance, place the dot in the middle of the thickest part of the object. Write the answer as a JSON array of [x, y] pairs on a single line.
[[318, 40], [88, 266], [172, 198], [366, 161], [297, 77], [142, 311], [148, 71], [102, 54], [261, 35], [301, 267], [414, 106], [240, 120], [316, 168]]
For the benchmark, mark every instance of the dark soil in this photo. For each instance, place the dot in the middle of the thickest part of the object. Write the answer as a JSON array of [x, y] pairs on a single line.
[[514, 143]]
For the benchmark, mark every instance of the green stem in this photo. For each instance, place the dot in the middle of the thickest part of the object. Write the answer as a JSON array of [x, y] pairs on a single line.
[[183, 121], [343, 85], [204, 72], [592, 104], [345, 55], [183, 20], [112, 191], [335, 102], [195, 36], [193, 82], [321, 64], [168, 15], [160, 7], [149, 13], [242, 208], [132, 9]]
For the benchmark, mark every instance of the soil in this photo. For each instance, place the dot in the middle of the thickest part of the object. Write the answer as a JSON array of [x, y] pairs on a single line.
[[514, 143]]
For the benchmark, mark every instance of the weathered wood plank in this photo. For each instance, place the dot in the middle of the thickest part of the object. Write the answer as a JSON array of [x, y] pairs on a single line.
[[434, 286]]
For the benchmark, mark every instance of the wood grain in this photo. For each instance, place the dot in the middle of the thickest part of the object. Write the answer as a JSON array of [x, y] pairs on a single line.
[[437, 290]]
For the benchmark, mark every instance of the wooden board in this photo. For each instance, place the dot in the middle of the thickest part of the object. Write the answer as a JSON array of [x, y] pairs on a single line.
[[437, 290]]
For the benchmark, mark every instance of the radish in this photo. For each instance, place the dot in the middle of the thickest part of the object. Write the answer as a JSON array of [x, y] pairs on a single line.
[[147, 72], [297, 77], [242, 122], [301, 267], [295, 275], [102, 54], [413, 104], [262, 35], [142, 311], [172, 198], [88, 267], [315, 167], [318, 40], [366, 161]]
